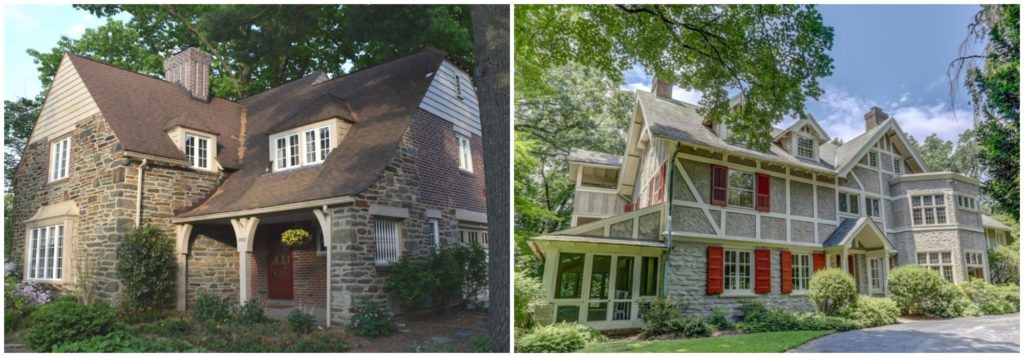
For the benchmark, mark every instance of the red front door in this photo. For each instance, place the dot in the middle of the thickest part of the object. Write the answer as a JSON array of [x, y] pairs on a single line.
[[279, 278]]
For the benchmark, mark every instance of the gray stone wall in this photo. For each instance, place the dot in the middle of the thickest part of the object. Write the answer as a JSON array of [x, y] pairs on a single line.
[[689, 219], [778, 195], [649, 226], [800, 200], [868, 178], [801, 231], [740, 225], [212, 263], [773, 228], [679, 189], [700, 175], [826, 202]]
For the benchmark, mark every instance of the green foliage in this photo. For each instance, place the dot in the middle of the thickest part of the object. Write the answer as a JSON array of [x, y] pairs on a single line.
[[171, 327], [991, 299], [832, 290], [917, 289], [146, 268], [560, 337], [317, 342], [951, 302], [939, 155], [662, 317], [735, 46], [117, 341], [301, 321], [454, 273], [528, 293], [19, 119], [692, 326], [295, 237], [1004, 264], [250, 313], [211, 309], [67, 321], [758, 318], [372, 320], [871, 311], [17, 308], [719, 319]]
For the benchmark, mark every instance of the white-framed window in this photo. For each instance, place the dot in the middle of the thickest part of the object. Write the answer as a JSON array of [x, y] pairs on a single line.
[[435, 233], [45, 253], [966, 202], [805, 147], [465, 153], [802, 270], [197, 151], [739, 266], [873, 159], [470, 236], [60, 159], [387, 234], [928, 209], [875, 273], [871, 206], [941, 262], [292, 150], [741, 189], [897, 166], [975, 263], [849, 203]]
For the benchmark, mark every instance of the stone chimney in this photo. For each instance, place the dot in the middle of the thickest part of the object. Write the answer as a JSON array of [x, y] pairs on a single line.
[[874, 117], [661, 88], [191, 69]]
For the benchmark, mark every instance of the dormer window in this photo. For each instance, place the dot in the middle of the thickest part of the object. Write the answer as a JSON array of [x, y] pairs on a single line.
[[318, 144], [199, 146], [307, 145], [805, 147], [197, 151]]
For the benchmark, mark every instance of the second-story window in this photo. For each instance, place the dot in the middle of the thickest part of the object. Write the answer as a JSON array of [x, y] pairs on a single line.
[[60, 159], [465, 154], [966, 202], [928, 209], [897, 166], [197, 151], [849, 203], [301, 148], [741, 189], [871, 205], [317, 145], [873, 159], [805, 147]]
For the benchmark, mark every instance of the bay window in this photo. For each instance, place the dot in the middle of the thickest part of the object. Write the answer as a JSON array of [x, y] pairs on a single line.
[[45, 253], [928, 209]]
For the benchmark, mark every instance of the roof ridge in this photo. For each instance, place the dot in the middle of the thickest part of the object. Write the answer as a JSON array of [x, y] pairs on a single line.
[[72, 54], [425, 49]]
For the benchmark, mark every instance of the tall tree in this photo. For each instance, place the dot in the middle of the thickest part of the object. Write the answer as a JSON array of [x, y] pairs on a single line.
[[771, 55], [491, 49], [935, 152], [19, 119], [993, 82]]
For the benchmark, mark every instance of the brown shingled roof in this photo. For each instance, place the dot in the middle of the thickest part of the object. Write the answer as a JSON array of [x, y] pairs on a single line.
[[138, 107]]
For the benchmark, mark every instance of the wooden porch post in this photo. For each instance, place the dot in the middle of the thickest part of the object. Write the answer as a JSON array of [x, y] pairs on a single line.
[[182, 233], [846, 260], [323, 216], [245, 232], [885, 271]]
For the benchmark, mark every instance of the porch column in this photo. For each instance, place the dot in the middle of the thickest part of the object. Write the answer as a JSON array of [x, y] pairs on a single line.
[[885, 272], [323, 216], [245, 232], [845, 261], [182, 233]]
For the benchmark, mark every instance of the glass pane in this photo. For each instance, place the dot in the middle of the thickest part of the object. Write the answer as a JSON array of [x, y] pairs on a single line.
[[940, 215], [649, 276], [926, 200], [922, 258], [946, 258], [933, 258], [570, 276], [600, 276], [916, 201], [567, 313], [940, 200], [310, 146], [842, 203], [854, 204], [741, 180], [325, 142], [624, 278], [597, 311]]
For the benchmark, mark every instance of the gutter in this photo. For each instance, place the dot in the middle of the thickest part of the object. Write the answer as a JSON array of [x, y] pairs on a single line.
[[138, 194], [668, 215]]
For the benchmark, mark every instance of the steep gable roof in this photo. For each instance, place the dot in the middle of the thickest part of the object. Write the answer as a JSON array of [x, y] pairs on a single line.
[[808, 120], [844, 157]]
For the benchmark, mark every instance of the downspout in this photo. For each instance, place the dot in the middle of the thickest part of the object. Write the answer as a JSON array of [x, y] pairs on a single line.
[[138, 194], [668, 214], [328, 243]]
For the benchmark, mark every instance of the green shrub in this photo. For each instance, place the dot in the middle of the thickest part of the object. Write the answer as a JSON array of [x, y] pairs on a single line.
[[990, 299], [212, 309], [372, 320], [174, 327], [951, 302], [453, 274], [117, 341], [873, 311], [251, 312], [691, 326], [1010, 292], [67, 321], [1004, 264], [916, 289], [662, 317], [528, 292], [820, 322], [300, 321], [832, 290], [758, 318], [412, 280], [560, 337], [719, 319], [146, 268], [317, 342], [472, 259]]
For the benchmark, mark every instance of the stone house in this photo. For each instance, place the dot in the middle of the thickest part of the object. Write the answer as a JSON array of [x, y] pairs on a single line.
[[686, 213], [377, 164]]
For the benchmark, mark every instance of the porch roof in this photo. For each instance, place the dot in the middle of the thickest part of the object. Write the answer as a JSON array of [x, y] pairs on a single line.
[[849, 228], [597, 240]]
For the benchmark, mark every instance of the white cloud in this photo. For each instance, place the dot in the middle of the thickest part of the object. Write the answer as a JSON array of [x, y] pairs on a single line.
[[844, 116], [75, 30]]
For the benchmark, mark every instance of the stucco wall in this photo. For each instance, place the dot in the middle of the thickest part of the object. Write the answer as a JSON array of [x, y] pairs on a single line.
[[801, 231], [800, 199], [740, 225], [826, 202]]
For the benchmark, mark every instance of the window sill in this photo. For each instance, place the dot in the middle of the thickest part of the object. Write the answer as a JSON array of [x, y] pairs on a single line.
[[743, 294], [464, 171], [798, 293], [59, 181]]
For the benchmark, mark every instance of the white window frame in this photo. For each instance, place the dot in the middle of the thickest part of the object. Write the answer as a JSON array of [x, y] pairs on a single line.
[[387, 237], [802, 272], [849, 197], [195, 158], [45, 252], [873, 158], [737, 276], [927, 204], [897, 166], [874, 211], [465, 149], [966, 202], [321, 147], [435, 233], [974, 259], [731, 188], [813, 148], [60, 159], [939, 266], [875, 281], [629, 316]]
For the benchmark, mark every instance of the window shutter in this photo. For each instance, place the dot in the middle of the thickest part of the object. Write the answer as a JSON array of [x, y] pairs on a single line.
[[819, 261], [762, 271], [719, 185], [849, 265], [661, 184], [763, 189], [716, 265], [629, 208], [892, 263], [786, 260]]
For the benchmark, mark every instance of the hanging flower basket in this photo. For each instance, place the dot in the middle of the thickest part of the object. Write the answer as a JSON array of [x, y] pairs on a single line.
[[295, 237]]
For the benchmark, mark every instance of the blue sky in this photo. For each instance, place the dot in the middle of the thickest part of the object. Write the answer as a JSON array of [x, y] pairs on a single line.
[[892, 57]]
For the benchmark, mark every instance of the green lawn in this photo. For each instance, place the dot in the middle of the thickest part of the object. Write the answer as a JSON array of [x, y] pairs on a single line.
[[754, 342]]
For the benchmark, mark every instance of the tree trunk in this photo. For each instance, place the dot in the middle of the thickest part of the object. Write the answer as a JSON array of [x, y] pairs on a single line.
[[491, 48]]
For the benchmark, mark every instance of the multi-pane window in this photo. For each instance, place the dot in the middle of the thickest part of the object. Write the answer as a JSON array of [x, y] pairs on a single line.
[[60, 159], [738, 267], [875, 266], [45, 253], [873, 159], [941, 262], [569, 281], [197, 151], [849, 203], [465, 154], [388, 236], [294, 150], [871, 205], [473, 236], [805, 147], [966, 202], [975, 265], [897, 166], [928, 209], [801, 271], [741, 189], [318, 145]]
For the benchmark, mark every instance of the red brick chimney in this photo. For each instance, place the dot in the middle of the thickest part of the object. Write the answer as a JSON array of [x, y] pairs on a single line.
[[190, 69], [874, 117], [661, 88]]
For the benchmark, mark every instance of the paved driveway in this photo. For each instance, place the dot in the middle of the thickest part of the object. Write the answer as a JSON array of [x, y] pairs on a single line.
[[1000, 333]]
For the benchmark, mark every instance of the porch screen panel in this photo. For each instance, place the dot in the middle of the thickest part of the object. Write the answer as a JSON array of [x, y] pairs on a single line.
[[387, 238], [570, 276], [649, 276], [600, 277], [623, 288]]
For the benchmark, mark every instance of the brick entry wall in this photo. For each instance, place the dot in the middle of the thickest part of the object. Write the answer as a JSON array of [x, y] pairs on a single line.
[[309, 269]]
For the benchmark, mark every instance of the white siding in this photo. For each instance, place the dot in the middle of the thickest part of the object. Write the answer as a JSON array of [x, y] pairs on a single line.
[[67, 102], [441, 100]]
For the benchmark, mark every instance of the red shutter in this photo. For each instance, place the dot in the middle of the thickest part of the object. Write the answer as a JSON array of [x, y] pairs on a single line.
[[719, 185], [661, 184], [819, 261], [786, 261], [762, 271], [892, 263], [849, 265], [763, 189], [629, 208], [650, 192], [716, 264]]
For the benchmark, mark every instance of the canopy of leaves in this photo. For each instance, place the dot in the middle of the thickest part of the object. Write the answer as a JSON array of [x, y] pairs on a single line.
[[940, 155], [19, 119], [772, 55]]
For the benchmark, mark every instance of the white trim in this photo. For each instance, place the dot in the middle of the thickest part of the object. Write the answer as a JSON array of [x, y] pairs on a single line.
[[464, 147], [265, 210], [470, 216], [302, 145], [60, 159], [388, 211]]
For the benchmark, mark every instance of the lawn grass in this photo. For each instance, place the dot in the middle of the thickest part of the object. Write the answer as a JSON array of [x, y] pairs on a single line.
[[754, 342]]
